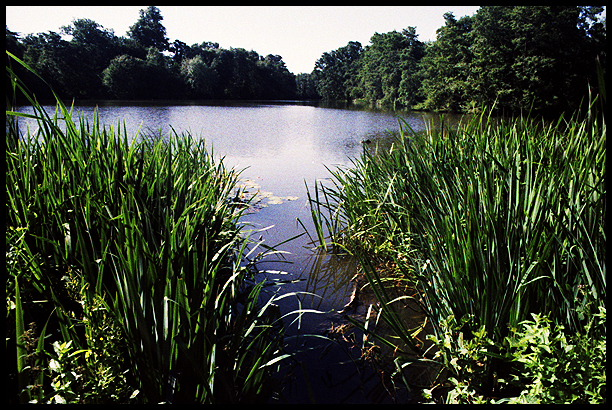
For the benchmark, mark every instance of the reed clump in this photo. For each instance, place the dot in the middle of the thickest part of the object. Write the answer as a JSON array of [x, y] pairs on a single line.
[[491, 222], [126, 256]]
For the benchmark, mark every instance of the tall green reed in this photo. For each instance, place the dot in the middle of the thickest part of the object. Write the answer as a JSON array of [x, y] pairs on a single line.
[[510, 219], [490, 222], [148, 225]]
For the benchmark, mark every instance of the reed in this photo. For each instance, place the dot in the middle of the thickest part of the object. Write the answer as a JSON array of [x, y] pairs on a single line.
[[490, 222], [510, 220], [148, 226]]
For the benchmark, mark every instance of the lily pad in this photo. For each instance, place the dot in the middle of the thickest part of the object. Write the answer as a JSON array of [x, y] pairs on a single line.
[[251, 189]]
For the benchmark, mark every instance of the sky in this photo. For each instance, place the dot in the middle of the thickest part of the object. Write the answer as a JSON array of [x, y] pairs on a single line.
[[299, 34]]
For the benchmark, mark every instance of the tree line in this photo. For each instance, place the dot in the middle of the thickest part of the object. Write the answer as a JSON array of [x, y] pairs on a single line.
[[97, 64], [542, 58]]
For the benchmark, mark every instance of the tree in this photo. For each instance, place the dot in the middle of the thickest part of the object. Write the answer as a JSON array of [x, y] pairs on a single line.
[[306, 87], [99, 44], [276, 82], [148, 30], [13, 45], [16, 47], [389, 64], [593, 29], [95, 47], [207, 50], [55, 60], [240, 76], [411, 57], [202, 80], [162, 79], [527, 56], [86, 31], [445, 68], [335, 72], [124, 79], [514, 57], [129, 77]]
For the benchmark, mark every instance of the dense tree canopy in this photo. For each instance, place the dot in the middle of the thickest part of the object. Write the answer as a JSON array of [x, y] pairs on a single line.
[[536, 57], [516, 57], [445, 66], [523, 56], [95, 63], [388, 68], [335, 72]]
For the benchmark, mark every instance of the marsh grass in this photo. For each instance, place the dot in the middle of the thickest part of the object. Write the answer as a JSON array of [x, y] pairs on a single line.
[[490, 222], [144, 229]]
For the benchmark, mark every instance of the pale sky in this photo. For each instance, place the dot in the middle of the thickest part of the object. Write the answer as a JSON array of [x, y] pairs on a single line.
[[300, 34]]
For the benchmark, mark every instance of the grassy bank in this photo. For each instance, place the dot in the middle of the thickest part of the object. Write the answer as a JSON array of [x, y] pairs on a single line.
[[498, 229], [127, 272]]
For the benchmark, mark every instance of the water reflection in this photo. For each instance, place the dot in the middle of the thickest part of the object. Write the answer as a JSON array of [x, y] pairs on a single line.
[[327, 357], [331, 277]]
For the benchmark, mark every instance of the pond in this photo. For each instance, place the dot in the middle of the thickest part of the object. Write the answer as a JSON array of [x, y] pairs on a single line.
[[280, 147]]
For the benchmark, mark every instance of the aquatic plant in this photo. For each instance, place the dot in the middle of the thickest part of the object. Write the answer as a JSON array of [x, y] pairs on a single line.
[[490, 223], [135, 236]]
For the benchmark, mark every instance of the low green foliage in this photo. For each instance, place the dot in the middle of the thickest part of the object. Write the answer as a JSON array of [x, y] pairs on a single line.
[[544, 364], [560, 367]]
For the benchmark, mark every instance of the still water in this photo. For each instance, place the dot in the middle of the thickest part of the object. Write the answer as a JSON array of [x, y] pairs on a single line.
[[280, 147]]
